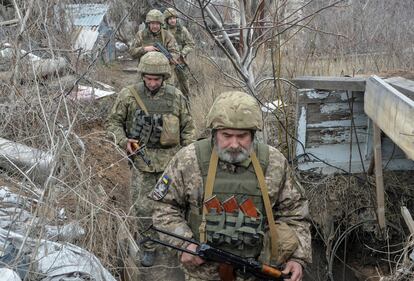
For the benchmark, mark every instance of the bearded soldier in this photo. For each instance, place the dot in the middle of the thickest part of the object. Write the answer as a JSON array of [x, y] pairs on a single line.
[[152, 33], [156, 114], [269, 222], [185, 44]]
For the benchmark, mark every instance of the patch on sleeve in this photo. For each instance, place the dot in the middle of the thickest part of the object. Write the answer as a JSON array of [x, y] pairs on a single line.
[[161, 189]]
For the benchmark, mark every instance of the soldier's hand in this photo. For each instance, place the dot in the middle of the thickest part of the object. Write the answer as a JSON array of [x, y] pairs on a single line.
[[131, 146], [191, 260], [150, 49], [295, 268]]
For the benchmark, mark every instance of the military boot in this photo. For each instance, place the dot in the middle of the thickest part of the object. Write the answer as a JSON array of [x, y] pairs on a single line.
[[147, 258]]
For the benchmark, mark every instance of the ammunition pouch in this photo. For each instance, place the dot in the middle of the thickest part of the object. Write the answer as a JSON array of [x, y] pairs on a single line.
[[287, 244], [170, 133], [156, 130], [235, 232]]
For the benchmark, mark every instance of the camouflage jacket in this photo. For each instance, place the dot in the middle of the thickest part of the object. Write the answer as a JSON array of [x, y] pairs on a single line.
[[145, 38], [121, 117], [184, 39], [186, 191]]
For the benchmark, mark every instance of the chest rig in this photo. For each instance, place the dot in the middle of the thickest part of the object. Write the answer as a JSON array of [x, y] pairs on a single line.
[[148, 38], [147, 122], [234, 232], [178, 35]]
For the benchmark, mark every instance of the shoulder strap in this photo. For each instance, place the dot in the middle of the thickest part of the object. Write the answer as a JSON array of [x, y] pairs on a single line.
[[141, 104], [163, 37], [208, 191], [268, 207]]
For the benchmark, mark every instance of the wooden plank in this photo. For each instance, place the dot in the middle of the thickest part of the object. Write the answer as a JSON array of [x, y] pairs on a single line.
[[334, 108], [408, 219], [307, 96], [379, 180], [403, 85], [316, 137], [392, 111], [360, 120], [330, 83]]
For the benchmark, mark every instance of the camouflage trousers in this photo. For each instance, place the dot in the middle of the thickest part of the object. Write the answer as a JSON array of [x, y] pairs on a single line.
[[182, 80], [166, 265], [141, 185]]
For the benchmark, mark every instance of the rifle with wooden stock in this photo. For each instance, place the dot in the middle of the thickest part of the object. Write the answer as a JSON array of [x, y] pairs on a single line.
[[228, 262], [179, 66]]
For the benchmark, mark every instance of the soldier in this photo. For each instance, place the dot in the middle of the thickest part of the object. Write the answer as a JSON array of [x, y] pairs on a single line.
[[152, 33], [156, 114], [185, 44], [230, 164]]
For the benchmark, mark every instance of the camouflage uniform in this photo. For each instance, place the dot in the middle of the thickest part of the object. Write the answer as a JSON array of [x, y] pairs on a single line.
[[120, 124], [186, 191], [185, 44], [145, 38]]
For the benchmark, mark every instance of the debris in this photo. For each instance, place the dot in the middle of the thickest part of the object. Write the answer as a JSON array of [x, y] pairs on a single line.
[[28, 160], [272, 106], [54, 261], [9, 275], [88, 93]]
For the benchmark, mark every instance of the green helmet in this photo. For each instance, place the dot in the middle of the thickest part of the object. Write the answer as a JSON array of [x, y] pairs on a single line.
[[154, 63], [154, 15], [169, 12], [235, 110]]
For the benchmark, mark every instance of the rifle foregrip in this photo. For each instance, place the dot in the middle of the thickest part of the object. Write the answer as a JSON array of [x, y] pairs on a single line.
[[271, 271]]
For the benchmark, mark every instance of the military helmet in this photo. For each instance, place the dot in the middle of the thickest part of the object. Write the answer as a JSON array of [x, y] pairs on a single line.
[[235, 110], [169, 12], [154, 15], [154, 63]]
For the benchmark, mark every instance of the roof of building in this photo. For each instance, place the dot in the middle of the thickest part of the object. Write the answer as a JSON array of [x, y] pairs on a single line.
[[87, 14]]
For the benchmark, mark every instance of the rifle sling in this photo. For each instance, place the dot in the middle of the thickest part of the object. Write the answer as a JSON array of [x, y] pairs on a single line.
[[268, 207], [208, 191], [141, 104]]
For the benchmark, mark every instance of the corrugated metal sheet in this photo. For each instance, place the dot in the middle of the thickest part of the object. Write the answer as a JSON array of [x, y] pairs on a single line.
[[86, 15]]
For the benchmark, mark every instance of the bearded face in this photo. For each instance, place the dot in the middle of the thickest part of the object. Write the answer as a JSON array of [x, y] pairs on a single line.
[[233, 146]]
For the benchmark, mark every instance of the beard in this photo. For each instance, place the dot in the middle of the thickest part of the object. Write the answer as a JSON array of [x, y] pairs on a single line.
[[233, 155]]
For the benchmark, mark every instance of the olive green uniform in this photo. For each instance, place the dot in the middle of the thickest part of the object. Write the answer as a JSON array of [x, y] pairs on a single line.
[[121, 117], [145, 38], [185, 45]]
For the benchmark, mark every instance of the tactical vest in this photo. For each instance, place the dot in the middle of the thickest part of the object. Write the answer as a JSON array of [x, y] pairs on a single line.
[[178, 35], [157, 109], [236, 232], [149, 39]]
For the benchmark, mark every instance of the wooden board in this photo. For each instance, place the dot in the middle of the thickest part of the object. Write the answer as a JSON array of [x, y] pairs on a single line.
[[317, 137], [314, 96], [403, 85], [379, 179], [392, 112], [330, 83]]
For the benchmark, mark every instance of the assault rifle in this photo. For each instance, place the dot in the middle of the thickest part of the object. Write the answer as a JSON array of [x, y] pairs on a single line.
[[140, 151], [141, 132], [226, 259], [178, 66]]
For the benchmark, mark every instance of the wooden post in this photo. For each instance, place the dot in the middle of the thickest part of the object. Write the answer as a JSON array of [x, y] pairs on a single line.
[[379, 177]]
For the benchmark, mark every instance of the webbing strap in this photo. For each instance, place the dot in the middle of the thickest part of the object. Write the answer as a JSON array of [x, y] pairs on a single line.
[[208, 191], [138, 99], [268, 207]]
